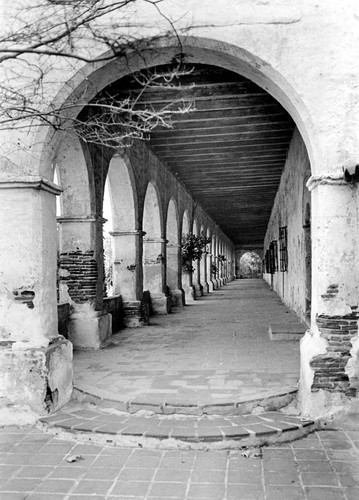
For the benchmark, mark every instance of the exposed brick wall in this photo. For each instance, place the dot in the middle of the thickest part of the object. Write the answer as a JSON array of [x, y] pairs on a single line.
[[329, 368], [136, 310], [81, 276]]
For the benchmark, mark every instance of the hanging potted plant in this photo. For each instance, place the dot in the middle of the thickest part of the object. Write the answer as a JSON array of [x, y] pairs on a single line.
[[214, 269], [192, 248]]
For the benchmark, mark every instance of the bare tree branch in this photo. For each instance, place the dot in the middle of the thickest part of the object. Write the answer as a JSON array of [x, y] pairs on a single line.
[[85, 31]]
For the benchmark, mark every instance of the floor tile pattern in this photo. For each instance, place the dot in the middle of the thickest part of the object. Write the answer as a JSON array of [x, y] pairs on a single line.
[[214, 351], [37, 466]]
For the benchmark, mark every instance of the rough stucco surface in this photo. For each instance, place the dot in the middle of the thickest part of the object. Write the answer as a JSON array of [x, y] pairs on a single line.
[[272, 43], [289, 210], [304, 55], [38, 379]]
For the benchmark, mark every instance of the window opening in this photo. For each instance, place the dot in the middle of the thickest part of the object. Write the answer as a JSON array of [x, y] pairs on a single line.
[[283, 249], [273, 256]]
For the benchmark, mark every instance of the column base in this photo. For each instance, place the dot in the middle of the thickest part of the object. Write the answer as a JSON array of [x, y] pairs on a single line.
[[189, 294], [136, 313], [160, 303], [204, 288], [34, 381], [198, 290], [177, 298], [210, 286], [89, 329]]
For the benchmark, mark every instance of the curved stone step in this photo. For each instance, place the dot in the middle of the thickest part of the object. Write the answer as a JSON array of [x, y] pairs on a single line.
[[242, 406], [145, 429]]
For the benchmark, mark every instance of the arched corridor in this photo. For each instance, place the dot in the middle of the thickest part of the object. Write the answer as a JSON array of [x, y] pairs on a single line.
[[245, 167], [215, 352]]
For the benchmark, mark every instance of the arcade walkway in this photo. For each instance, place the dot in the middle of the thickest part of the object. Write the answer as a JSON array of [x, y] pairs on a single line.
[[214, 352]]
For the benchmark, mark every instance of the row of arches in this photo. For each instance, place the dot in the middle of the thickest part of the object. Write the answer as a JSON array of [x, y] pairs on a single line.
[[121, 227]]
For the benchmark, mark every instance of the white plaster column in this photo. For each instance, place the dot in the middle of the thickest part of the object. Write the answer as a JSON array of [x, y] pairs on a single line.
[[209, 268], [215, 262], [189, 291], [173, 275], [154, 277], [127, 273], [225, 266], [222, 275], [197, 278], [220, 264], [128, 276], [82, 280], [203, 272], [234, 263], [330, 349], [35, 362]]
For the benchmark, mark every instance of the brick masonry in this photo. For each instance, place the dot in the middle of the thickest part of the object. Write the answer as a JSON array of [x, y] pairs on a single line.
[[92, 424], [81, 276], [136, 313], [36, 465], [329, 368]]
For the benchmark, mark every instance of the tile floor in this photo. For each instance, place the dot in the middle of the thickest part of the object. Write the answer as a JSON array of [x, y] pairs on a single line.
[[37, 466], [213, 351]]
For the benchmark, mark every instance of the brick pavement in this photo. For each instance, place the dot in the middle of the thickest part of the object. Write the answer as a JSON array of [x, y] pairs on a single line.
[[214, 351], [34, 466], [92, 424]]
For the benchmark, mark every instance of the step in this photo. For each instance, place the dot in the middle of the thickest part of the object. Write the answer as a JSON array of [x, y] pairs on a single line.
[[267, 401], [286, 331], [90, 424]]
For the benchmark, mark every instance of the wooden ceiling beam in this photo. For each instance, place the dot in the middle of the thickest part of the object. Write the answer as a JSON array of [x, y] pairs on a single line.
[[229, 146], [249, 113], [213, 131], [249, 137]]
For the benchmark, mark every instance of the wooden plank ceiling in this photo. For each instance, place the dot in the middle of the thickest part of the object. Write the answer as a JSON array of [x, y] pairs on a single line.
[[229, 152]]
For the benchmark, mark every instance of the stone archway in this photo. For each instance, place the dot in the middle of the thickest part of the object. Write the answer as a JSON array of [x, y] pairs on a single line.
[[203, 266], [186, 273], [250, 265], [308, 261], [154, 280], [173, 256], [333, 215], [196, 275], [124, 231]]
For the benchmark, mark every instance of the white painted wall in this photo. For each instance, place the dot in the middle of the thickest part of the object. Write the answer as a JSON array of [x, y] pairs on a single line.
[[288, 210]]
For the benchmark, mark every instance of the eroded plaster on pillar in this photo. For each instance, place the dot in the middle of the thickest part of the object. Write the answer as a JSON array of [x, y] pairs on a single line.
[[81, 281], [32, 382], [173, 275], [329, 350], [153, 273]]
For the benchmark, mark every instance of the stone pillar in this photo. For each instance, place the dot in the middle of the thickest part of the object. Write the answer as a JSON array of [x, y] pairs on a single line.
[[188, 289], [225, 263], [173, 275], [154, 273], [218, 264], [127, 276], [203, 272], [329, 350], [215, 263], [82, 280], [197, 278], [35, 362], [209, 269]]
